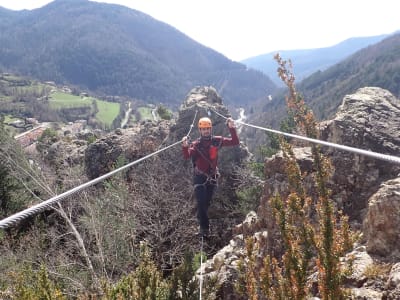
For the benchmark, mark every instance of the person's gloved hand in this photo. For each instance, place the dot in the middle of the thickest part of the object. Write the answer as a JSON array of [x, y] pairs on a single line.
[[230, 123], [185, 142]]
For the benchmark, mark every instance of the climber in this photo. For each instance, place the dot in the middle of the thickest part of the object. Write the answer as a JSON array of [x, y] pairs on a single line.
[[204, 155]]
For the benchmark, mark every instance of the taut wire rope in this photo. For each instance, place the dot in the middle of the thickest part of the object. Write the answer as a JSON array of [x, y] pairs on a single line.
[[201, 268], [192, 125], [380, 156], [15, 218]]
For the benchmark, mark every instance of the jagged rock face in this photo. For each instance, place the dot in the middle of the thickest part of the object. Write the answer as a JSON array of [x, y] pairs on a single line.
[[66, 153], [276, 182], [62, 156], [369, 120], [134, 143], [205, 101], [367, 188], [366, 120], [130, 144], [393, 282], [382, 222], [224, 264], [202, 102]]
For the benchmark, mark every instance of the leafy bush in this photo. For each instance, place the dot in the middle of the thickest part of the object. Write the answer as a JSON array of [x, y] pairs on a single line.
[[164, 113], [145, 282], [33, 285]]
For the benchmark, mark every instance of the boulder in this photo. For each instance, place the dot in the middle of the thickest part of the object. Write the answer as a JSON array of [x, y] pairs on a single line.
[[382, 222], [128, 144], [394, 277], [368, 120]]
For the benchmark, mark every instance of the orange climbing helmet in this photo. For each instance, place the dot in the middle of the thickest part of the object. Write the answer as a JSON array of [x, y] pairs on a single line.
[[205, 123]]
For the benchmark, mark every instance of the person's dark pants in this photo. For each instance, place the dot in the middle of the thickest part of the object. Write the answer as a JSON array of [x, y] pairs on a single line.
[[203, 190]]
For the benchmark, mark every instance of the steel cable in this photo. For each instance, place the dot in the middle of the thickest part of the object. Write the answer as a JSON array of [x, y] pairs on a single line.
[[17, 217], [380, 156], [13, 219]]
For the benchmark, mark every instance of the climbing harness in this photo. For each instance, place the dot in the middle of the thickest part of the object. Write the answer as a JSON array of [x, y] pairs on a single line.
[[210, 179], [211, 150]]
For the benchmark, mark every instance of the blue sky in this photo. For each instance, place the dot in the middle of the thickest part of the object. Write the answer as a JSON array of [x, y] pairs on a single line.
[[244, 28]]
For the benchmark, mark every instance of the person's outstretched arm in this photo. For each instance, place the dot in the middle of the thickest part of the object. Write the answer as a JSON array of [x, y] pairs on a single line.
[[234, 139], [187, 150]]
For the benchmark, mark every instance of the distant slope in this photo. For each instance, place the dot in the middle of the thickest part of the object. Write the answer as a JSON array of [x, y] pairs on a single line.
[[308, 61], [114, 50], [377, 66]]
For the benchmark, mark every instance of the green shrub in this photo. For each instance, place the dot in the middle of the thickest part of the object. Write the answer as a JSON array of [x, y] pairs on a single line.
[[31, 285], [164, 113], [145, 283], [312, 235]]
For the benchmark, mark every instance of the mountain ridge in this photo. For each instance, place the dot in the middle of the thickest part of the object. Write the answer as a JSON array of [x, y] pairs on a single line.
[[374, 66], [112, 49], [308, 61]]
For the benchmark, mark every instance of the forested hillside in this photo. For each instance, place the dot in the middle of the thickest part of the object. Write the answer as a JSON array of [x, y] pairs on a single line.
[[309, 61], [375, 66], [114, 50]]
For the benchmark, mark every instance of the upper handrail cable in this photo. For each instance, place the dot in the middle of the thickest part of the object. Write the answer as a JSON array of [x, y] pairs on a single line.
[[7, 222], [381, 156], [13, 219]]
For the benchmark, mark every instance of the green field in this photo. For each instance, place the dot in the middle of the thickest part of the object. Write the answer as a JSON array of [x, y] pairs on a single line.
[[13, 87], [63, 100], [9, 119], [145, 113], [107, 111]]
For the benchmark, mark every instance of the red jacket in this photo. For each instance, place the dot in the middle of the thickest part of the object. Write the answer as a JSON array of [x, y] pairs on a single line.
[[204, 153]]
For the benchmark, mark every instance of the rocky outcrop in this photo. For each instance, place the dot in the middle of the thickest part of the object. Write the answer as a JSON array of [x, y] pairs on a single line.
[[369, 120], [134, 143], [205, 102], [127, 144], [382, 222], [63, 153], [366, 120], [368, 189], [223, 266]]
